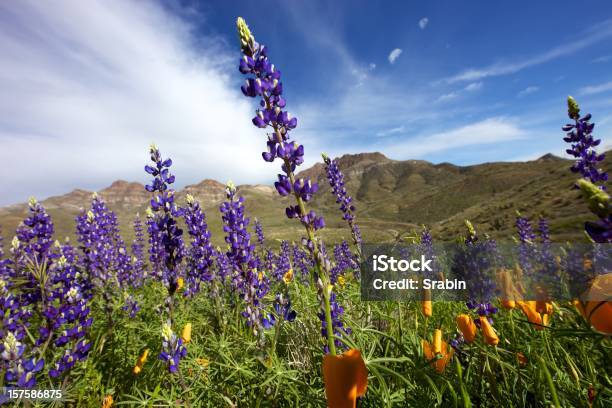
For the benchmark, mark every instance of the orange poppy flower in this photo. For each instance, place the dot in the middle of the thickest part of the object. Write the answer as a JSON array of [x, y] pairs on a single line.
[[467, 326], [345, 377], [488, 332], [438, 347], [288, 276], [598, 314], [508, 304], [536, 319], [543, 307], [107, 402], [522, 359]]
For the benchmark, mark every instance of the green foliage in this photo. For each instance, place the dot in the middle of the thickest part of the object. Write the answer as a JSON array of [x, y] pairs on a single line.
[[224, 366]]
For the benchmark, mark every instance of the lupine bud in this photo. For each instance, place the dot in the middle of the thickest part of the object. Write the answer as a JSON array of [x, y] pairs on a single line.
[[573, 110]]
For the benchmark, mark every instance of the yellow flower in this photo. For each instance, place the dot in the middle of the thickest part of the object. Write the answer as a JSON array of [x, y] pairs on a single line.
[[260, 276], [186, 334], [202, 362], [107, 402], [341, 281], [140, 363], [180, 283], [288, 276]]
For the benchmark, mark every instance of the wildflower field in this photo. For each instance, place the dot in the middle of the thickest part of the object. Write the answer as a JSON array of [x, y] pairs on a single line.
[[172, 320]]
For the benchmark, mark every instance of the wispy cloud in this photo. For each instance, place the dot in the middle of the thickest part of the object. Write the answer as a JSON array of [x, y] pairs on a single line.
[[595, 89], [372, 66], [91, 85], [604, 58], [591, 36], [392, 131], [528, 90], [447, 97], [423, 23], [474, 86], [488, 131], [394, 55]]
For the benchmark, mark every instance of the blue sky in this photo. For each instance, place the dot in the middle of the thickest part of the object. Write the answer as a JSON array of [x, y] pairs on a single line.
[[87, 87]]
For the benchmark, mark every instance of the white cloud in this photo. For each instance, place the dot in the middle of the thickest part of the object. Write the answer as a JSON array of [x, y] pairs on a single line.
[[392, 131], [595, 89], [372, 66], [423, 23], [474, 86], [488, 131], [528, 90], [447, 97], [594, 34], [394, 55], [604, 58], [86, 88]]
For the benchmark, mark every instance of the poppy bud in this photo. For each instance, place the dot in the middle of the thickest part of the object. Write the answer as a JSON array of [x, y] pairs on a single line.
[[488, 332], [186, 334], [467, 326], [345, 377]]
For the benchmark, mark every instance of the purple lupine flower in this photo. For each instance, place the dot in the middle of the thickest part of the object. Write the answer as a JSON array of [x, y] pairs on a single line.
[[68, 317], [167, 247], [163, 225], [173, 349], [338, 326], [138, 244], [251, 284], [104, 257], [35, 235], [345, 261], [526, 246], [260, 233], [283, 262], [240, 250], [264, 81], [338, 189], [473, 262], [200, 259], [544, 230], [61, 301], [283, 309], [301, 261], [130, 305], [579, 135], [426, 248]]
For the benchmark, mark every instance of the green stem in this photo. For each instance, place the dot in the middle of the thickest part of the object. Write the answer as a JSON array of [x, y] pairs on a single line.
[[551, 384], [321, 272]]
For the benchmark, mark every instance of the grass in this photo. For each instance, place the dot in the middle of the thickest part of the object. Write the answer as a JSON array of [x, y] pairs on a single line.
[[224, 366]]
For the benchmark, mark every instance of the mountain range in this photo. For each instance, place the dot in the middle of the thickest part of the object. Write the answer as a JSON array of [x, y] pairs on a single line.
[[393, 199]]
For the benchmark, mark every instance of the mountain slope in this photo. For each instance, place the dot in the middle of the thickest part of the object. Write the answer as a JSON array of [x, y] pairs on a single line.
[[392, 197]]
